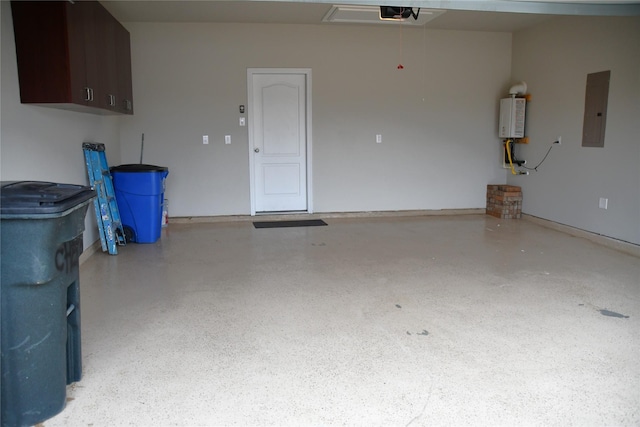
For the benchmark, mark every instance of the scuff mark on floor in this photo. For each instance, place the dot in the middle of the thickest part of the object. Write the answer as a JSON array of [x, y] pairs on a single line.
[[608, 313], [424, 408], [604, 311]]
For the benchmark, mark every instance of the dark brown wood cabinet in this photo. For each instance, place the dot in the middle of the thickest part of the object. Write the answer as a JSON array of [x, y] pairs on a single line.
[[74, 56], [125, 86]]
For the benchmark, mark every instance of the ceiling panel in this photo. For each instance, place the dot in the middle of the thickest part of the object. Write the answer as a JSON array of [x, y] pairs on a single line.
[[307, 12]]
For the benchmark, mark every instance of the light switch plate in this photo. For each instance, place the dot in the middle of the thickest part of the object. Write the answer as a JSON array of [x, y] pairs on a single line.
[[205, 139], [242, 121], [227, 139], [603, 203]]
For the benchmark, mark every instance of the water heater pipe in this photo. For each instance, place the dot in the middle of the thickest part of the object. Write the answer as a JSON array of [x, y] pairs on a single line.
[[518, 89]]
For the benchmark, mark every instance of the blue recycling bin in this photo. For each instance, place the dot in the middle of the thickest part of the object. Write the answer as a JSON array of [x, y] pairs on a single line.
[[139, 192], [41, 226]]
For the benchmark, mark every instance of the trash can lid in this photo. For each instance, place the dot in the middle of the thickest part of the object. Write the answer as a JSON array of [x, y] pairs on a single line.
[[139, 168], [37, 197]]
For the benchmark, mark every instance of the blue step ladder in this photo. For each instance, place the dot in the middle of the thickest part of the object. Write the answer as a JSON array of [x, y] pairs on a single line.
[[106, 206]]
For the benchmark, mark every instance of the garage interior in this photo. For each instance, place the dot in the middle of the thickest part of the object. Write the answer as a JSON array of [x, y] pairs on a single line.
[[412, 307]]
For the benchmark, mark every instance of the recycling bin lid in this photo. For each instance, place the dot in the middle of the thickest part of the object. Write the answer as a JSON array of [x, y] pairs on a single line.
[[139, 168], [39, 197]]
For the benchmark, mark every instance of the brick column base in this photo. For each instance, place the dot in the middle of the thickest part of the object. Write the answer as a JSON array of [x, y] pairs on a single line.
[[504, 201]]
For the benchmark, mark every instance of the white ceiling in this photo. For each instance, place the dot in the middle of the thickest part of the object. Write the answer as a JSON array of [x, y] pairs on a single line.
[[489, 16]]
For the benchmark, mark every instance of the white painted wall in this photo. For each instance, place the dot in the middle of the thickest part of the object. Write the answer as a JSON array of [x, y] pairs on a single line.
[[437, 116], [554, 59], [45, 144]]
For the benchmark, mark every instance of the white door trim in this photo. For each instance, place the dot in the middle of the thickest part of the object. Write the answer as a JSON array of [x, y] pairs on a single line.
[[250, 118]]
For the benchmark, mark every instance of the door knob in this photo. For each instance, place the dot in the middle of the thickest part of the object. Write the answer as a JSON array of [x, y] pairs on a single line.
[[257, 150]]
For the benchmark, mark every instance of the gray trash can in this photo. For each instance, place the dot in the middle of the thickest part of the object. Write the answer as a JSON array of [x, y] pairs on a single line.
[[41, 226]]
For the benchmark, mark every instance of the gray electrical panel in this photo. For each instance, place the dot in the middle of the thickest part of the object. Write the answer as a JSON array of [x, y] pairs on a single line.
[[595, 109]]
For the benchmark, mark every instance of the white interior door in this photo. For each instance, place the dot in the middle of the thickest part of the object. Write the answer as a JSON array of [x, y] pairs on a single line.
[[278, 138]]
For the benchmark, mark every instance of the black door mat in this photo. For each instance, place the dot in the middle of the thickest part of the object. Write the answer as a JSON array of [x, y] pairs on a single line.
[[298, 223]]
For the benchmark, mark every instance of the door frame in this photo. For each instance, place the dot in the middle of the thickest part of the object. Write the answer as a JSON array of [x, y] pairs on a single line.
[[308, 113]]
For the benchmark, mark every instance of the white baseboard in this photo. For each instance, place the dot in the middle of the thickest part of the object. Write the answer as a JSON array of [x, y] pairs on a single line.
[[321, 215], [86, 254], [619, 245]]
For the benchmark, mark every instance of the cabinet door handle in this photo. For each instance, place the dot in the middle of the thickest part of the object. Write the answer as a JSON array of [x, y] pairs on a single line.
[[87, 94], [91, 94], [112, 100]]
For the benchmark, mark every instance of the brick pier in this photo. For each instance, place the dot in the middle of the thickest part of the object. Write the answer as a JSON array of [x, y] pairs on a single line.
[[504, 201]]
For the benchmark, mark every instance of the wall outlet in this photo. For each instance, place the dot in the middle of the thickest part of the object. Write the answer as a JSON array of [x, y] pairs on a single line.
[[242, 121], [205, 139], [558, 141], [603, 203], [379, 138]]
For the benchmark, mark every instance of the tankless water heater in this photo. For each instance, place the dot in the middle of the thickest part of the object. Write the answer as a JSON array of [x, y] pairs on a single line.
[[512, 111]]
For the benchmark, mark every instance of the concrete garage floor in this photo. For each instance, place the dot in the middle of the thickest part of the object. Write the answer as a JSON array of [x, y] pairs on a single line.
[[420, 321]]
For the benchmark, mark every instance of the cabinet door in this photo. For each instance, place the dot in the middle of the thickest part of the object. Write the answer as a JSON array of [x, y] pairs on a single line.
[[125, 87], [50, 51], [101, 30], [75, 29], [110, 59], [95, 42]]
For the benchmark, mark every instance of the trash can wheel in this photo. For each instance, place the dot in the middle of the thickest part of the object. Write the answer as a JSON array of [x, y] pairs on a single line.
[[129, 234]]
